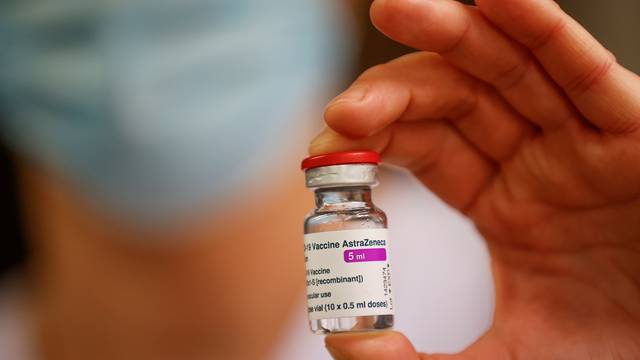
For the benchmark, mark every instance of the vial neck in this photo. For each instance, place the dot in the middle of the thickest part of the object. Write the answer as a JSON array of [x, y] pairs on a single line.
[[345, 198]]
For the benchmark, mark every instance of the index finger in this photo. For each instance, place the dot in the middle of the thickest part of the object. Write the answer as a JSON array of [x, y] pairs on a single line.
[[605, 92], [466, 39]]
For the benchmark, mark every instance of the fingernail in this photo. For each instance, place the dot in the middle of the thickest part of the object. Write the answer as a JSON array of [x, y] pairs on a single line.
[[323, 136], [318, 143], [353, 94]]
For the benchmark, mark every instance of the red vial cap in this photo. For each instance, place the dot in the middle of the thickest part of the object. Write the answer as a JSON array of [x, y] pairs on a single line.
[[341, 158]]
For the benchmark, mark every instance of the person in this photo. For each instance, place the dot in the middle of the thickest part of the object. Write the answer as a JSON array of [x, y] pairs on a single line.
[[224, 281], [151, 140], [516, 116]]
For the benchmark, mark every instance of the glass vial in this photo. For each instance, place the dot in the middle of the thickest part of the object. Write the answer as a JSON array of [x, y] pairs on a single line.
[[346, 246]]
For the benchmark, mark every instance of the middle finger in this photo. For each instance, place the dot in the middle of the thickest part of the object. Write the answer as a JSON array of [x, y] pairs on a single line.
[[470, 42]]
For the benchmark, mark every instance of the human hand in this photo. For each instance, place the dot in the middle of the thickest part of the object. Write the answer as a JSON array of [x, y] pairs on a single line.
[[517, 117]]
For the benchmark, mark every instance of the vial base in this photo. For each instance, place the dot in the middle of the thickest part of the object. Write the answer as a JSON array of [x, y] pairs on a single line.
[[352, 324]]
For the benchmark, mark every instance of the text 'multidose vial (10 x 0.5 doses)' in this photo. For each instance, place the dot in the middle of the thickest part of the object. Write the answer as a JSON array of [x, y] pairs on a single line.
[[346, 246]]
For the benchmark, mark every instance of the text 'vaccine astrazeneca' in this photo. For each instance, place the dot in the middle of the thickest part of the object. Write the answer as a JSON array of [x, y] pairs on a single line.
[[346, 246]]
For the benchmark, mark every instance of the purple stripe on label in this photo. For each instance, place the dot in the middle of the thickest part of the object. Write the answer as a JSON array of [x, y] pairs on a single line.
[[363, 255]]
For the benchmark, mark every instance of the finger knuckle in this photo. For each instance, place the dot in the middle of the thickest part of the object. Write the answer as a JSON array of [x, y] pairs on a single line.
[[597, 71]]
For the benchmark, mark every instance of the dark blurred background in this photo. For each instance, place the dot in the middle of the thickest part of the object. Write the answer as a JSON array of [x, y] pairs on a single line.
[[12, 243]]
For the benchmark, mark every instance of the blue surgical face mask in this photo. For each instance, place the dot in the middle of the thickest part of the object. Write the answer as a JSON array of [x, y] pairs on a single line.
[[154, 107]]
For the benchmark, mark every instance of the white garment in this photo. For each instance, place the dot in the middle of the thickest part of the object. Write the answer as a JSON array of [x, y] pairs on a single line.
[[441, 279]]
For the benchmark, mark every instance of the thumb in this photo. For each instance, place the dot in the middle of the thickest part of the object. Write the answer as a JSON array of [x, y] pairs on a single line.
[[386, 345]]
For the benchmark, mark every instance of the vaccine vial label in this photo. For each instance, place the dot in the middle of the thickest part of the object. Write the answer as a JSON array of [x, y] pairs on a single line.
[[348, 273]]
